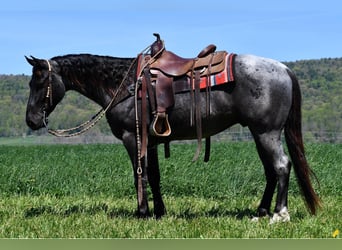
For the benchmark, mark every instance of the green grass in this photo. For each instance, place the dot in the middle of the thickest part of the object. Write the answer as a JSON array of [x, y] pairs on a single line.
[[86, 191], [30, 140]]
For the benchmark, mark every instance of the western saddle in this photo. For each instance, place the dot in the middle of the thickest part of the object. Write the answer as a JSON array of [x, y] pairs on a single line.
[[159, 73]]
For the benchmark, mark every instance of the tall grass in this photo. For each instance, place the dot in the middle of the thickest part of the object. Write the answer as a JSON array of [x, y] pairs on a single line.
[[87, 191]]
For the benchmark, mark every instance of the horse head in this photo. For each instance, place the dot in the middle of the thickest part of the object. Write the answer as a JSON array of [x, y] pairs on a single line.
[[46, 91]]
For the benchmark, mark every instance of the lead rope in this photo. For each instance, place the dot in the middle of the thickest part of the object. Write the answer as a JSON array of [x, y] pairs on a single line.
[[139, 170], [138, 141]]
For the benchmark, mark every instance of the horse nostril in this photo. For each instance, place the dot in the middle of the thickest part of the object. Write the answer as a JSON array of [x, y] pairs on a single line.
[[32, 123], [29, 123]]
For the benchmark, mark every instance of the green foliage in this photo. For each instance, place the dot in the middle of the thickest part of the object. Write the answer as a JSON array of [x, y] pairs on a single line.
[[14, 92], [86, 191], [321, 84]]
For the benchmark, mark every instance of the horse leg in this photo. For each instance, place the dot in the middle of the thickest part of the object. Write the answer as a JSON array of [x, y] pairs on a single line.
[[154, 181], [277, 170], [271, 182], [131, 147]]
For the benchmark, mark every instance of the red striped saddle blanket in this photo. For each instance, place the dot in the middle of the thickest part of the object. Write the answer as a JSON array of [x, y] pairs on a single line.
[[226, 76]]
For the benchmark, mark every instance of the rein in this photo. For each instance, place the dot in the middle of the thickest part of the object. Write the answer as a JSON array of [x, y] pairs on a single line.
[[82, 128]]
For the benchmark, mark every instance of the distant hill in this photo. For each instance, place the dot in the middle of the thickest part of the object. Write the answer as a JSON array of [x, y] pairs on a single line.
[[14, 93], [321, 85], [320, 80]]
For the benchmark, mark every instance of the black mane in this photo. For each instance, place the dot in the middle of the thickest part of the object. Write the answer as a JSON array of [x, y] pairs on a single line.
[[103, 71]]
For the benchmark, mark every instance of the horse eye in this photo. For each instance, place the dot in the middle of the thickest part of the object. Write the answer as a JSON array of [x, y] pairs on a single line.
[[38, 76], [38, 73]]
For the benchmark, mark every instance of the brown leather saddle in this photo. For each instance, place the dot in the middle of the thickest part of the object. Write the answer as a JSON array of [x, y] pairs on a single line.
[[167, 66], [159, 73]]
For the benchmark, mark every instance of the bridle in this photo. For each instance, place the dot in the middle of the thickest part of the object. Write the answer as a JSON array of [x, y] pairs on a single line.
[[48, 96]]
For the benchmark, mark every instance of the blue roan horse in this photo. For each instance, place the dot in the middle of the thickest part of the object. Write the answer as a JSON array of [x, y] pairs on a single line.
[[265, 97]]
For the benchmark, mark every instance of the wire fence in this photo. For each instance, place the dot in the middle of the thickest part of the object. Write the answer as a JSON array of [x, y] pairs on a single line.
[[234, 134], [243, 134]]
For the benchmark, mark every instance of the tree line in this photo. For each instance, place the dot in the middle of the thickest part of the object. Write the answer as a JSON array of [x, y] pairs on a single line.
[[320, 80]]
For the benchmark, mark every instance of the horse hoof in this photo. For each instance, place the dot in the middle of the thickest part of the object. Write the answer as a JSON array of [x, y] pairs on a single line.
[[259, 218], [282, 216], [159, 214], [143, 215], [255, 219]]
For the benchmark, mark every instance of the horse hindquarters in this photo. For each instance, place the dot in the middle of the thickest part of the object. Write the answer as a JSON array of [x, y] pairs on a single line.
[[262, 98], [277, 165]]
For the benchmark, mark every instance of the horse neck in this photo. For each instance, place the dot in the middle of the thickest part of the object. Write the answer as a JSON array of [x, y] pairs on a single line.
[[96, 77]]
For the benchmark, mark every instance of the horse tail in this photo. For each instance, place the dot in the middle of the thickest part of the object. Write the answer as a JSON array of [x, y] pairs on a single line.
[[294, 141]]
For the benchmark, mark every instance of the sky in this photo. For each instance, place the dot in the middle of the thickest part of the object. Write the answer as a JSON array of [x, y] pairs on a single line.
[[283, 30]]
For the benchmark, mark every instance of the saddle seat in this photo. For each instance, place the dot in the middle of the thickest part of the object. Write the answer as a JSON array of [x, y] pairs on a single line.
[[174, 65]]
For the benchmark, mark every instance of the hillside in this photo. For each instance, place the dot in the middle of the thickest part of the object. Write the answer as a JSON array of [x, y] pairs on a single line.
[[321, 84], [14, 92]]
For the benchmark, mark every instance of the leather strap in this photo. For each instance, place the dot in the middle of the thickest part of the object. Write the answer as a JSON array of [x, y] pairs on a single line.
[[198, 115], [151, 92], [192, 99], [208, 87], [164, 92], [208, 95], [207, 149], [143, 117], [152, 101]]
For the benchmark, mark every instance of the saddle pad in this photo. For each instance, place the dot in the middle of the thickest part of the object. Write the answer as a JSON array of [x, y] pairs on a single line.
[[227, 75]]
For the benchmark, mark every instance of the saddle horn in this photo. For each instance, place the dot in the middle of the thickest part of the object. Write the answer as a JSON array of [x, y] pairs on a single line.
[[157, 36], [157, 46]]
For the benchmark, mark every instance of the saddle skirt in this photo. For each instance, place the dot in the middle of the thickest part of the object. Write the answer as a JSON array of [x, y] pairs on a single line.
[[219, 78], [219, 74]]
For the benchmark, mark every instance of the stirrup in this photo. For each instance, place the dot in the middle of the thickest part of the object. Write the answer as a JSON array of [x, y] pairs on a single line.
[[160, 125]]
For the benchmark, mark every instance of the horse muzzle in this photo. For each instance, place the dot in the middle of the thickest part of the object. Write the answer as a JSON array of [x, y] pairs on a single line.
[[36, 121]]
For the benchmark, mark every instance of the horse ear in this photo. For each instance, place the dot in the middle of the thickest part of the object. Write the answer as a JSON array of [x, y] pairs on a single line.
[[32, 60]]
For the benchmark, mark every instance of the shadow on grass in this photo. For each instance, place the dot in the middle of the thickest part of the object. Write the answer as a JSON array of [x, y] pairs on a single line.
[[77, 209], [237, 213], [129, 213]]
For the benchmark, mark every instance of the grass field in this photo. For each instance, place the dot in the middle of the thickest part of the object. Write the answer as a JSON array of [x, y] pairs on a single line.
[[86, 191]]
